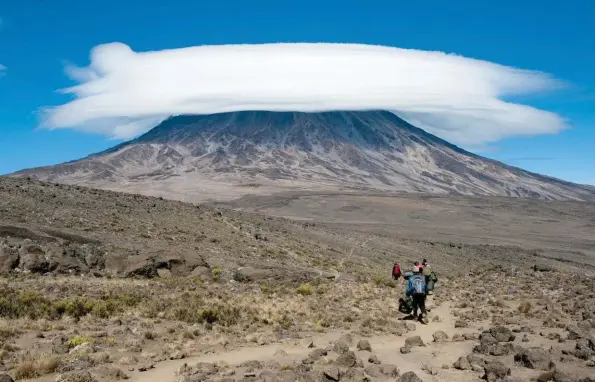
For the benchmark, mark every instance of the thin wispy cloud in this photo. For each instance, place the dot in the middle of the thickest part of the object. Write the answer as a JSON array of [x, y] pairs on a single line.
[[123, 93]]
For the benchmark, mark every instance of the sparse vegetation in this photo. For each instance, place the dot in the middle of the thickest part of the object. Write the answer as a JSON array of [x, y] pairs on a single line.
[[525, 307], [216, 273], [384, 281], [304, 289]]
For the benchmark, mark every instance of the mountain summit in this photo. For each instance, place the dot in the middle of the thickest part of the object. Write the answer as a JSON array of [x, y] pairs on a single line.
[[374, 150]]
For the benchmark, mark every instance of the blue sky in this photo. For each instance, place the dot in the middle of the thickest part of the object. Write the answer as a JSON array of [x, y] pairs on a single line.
[[38, 37]]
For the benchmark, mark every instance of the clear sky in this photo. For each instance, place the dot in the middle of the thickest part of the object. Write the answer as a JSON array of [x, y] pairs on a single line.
[[38, 37]]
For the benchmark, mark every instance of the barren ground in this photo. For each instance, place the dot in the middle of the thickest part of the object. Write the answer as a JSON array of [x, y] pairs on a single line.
[[104, 286]]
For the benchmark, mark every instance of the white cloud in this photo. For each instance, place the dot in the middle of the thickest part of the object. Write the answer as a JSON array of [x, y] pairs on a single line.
[[123, 93]]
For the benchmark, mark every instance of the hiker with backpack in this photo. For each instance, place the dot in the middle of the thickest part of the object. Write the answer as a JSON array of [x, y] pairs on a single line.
[[416, 288], [431, 279], [396, 271]]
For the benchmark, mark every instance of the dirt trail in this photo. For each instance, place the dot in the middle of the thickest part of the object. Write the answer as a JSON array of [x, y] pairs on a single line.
[[385, 347]]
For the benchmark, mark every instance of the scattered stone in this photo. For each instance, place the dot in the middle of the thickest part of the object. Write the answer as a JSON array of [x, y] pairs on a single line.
[[390, 370], [461, 324], [374, 371], [495, 371], [60, 345], [542, 268], [534, 358], [429, 369], [525, 338], [414, 341], [315, 355], [462, 364], [458, 338], [501, 334], [440, 336], [280, 353], [410, 327], [341, 347], [143, 368], [332, 374], [364, 345], [405, 350], [374, 359], [409, 377], [76, 376], [347, 360], [471, 336], [110, 373]]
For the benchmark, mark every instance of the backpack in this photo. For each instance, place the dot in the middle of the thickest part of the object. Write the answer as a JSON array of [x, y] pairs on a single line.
[[433, 277], [418, 284], [405, 305]]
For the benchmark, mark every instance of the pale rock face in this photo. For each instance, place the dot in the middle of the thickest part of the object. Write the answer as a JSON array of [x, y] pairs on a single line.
[[374, 150]]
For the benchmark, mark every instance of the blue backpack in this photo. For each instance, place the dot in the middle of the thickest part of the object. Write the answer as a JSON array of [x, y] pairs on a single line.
[[418, 284]]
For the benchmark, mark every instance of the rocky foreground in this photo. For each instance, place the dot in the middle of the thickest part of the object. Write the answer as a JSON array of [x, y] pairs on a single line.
[[102, 286], [496, 324]]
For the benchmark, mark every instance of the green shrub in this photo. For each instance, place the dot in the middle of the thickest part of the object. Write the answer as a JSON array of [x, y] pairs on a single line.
[[304, 289], [216, 273]]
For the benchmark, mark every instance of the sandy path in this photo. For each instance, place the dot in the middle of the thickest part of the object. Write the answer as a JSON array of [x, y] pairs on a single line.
[[385, 347]]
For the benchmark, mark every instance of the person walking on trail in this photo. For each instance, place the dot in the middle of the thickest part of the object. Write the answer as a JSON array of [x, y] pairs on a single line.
[[416, 288], [396, 271]]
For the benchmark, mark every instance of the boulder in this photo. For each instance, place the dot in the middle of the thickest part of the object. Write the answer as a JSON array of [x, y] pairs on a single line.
[[332, 374], [501, 334], [341, 347], [390, 370], [462, 364], [534, 358], [32, 259], [440, 336], [374, 371], [414, 341], [495, 371], [347, 360], [364, 345], [314, 356], [9, 258], [458, 337], [542, 268], [374, 359], [409, 377]]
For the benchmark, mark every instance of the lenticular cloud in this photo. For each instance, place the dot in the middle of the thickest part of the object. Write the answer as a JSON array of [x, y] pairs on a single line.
[[123, 93]]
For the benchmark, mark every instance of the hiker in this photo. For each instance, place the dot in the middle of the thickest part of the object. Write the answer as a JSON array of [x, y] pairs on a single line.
[[431, 279], [416, 288], [396, 271]]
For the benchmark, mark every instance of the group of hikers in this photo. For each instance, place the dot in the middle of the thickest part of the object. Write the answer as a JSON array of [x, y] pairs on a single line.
[[420, 283]]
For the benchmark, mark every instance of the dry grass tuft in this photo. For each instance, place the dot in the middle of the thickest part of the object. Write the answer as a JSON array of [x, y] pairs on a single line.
[[26, 370], [525, 307]]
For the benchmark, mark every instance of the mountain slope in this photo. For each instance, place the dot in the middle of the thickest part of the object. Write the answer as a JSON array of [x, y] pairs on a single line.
[[356, 149]]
